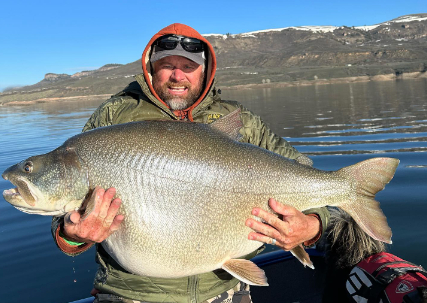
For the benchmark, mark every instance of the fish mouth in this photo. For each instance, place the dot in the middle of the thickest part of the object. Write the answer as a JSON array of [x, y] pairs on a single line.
[[21, 199], [12, 193], [20, 195], [26, 197]]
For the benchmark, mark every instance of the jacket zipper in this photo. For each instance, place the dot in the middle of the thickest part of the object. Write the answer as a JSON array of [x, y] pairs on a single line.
[[193, 282]]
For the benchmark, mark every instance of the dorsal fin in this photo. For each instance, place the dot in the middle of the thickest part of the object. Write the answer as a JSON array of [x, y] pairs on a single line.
[[304, 160], [230, 125]]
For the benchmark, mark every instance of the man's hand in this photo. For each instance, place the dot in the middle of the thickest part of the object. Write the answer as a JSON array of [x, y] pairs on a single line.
[[100, 223], [289, 231]]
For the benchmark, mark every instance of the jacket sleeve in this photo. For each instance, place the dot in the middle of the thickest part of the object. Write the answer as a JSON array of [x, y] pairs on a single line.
[[103, 115], [67, 247], [256, 132]]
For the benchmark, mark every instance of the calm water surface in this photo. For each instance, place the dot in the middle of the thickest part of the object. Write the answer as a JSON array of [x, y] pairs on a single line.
[[336, 125]]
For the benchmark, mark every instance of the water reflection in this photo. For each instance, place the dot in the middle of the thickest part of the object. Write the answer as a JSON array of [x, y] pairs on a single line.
[[345, 112]]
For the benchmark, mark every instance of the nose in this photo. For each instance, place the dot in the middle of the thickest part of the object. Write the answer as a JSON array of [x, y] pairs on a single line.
[[177, 75], [5, 174]]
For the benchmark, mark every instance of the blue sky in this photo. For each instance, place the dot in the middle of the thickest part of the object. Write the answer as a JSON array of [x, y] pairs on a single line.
[[39, 37]]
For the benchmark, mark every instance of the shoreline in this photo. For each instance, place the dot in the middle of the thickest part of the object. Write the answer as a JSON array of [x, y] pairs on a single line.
[[56, 99], [355, 79]]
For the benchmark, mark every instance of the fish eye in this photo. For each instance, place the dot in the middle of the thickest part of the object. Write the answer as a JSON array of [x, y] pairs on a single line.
[[28, 167]]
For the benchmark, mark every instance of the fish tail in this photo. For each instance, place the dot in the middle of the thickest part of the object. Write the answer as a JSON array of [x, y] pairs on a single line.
[[370, 177]]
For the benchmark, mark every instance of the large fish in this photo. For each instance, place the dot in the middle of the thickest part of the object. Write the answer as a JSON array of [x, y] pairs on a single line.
[[187, 190]]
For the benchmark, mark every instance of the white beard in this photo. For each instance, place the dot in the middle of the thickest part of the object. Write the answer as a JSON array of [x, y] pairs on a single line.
[[178, 103]]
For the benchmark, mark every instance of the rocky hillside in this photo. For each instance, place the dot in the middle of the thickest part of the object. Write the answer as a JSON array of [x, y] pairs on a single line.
[[402, 39], [323, 52], [309, 53]]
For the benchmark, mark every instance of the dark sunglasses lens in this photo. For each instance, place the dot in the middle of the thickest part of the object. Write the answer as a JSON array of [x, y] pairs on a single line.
[[165, 44], [192, 47]]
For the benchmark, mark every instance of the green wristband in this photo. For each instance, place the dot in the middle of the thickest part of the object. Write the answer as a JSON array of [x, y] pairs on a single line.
[[70, 242]]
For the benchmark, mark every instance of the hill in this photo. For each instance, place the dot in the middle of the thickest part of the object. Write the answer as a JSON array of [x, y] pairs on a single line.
[[284, 56]]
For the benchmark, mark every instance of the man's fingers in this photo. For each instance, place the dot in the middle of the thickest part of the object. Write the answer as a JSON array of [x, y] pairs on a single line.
[[291, 230], [112, 212], [111, 228], [72, 218], [285, 210], [75, 217], [263, 238], [116, 223], [106, 202], [72, 226], [101, 221], [269, 218], [263, 229]]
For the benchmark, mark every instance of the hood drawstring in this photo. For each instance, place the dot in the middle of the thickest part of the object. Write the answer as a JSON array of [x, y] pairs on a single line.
[[183, 114]]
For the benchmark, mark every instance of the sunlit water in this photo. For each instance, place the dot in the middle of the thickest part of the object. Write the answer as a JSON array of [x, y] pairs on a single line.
[[336, 125]]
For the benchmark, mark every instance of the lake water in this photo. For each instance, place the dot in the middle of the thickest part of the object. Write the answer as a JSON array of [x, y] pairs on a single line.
[[336, 125]]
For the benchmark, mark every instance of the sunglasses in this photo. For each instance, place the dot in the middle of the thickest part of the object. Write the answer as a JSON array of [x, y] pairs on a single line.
[[191, 45]]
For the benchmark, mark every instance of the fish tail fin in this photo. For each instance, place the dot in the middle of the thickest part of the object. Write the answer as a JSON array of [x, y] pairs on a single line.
[[246, 271], [370, 177]]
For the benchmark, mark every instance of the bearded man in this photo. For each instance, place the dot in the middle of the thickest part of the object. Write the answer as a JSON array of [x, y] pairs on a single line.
[[177, 83]]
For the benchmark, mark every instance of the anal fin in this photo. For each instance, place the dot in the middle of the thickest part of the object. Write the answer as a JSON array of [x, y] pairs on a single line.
[[302, 256], [246, 271]]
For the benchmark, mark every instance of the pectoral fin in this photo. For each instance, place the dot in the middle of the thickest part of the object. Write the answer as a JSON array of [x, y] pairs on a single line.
[[246, 271], [302, 256], [88, 205]]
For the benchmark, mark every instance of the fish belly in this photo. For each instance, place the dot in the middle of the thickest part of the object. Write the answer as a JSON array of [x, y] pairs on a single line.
[[170, 235]]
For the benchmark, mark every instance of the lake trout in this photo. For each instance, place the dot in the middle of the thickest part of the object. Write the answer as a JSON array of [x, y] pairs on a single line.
[[187, 190]]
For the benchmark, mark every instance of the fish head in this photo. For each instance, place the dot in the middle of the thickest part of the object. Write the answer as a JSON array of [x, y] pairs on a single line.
[[48, 184]]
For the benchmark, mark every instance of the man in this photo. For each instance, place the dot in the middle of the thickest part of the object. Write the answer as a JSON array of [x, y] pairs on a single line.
[[178, 84]]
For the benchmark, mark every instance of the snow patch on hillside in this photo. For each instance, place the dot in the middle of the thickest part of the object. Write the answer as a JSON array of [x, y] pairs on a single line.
[[322, 28], [409, 18], [313, 28]]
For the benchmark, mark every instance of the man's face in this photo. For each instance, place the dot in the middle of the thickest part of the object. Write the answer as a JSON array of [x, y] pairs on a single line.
[[178, 81]]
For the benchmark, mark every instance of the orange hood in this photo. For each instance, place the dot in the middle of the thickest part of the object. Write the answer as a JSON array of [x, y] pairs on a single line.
[[182, 30]]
